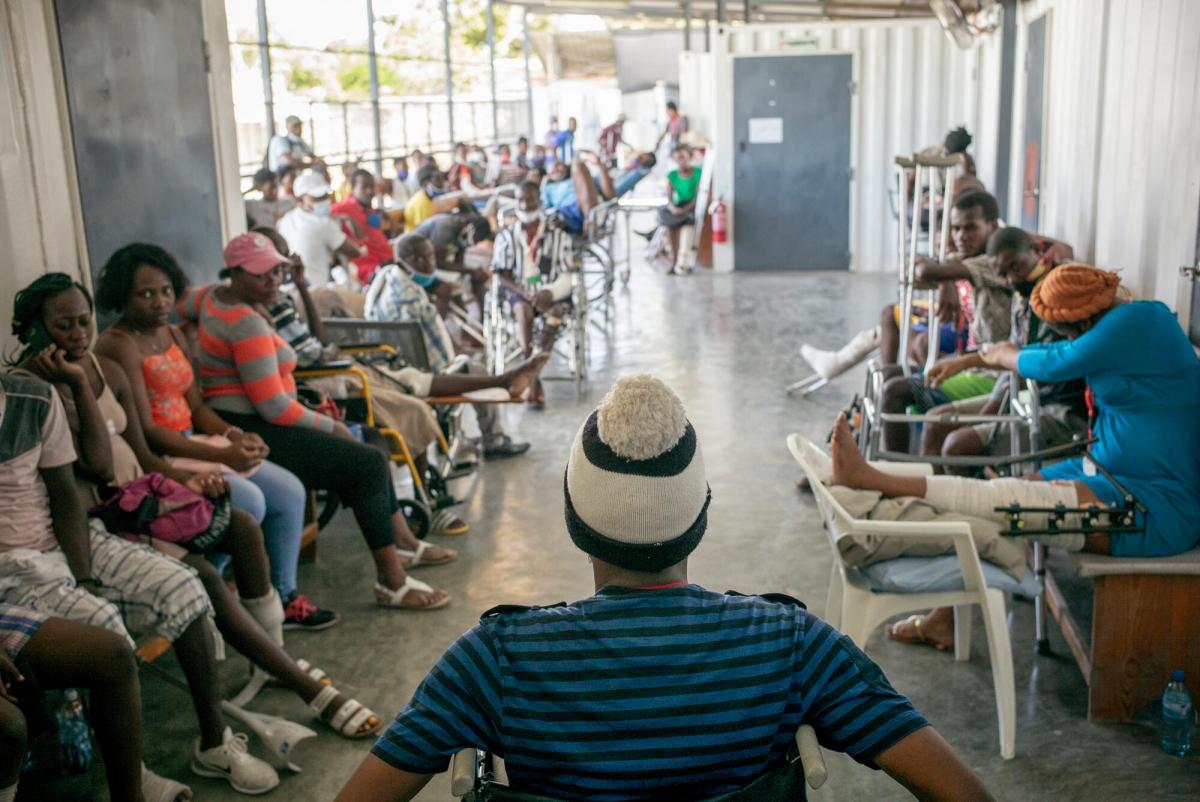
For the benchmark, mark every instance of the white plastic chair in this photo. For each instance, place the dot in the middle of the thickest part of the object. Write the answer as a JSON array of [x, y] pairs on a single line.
[[854, 608]]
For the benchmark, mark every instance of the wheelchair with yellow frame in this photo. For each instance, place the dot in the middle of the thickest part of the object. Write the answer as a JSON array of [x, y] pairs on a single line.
[[477, 776], [430, 490]]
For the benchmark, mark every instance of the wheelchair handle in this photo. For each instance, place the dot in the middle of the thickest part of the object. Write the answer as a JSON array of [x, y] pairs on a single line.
[[464, 769], [811, 759]]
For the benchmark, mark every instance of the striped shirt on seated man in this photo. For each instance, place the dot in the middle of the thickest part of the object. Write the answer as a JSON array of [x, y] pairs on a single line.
[[652, 687]]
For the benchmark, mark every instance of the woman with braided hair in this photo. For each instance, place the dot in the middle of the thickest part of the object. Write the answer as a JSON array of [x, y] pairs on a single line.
[[1144, 378]]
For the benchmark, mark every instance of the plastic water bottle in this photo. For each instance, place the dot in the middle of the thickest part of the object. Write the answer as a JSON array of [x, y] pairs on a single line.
[[74, 739], [1176, 716]]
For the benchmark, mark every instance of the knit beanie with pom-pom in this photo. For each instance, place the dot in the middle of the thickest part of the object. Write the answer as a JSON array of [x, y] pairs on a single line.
[[636, 495]]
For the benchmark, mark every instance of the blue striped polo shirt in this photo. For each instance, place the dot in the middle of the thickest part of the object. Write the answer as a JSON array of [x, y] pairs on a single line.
[[635, 692]]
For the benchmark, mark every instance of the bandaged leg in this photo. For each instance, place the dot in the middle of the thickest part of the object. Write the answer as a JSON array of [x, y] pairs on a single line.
[[979, 498], [830, 364], [268, 612]]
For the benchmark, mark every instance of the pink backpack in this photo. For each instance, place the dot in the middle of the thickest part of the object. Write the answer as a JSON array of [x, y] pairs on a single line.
[[162, 508]]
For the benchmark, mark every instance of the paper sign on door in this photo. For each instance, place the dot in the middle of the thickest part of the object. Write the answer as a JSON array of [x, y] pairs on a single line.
[[766, 130]]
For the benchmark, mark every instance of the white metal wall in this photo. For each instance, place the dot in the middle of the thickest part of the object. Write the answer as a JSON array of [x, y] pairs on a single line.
[[912, 85], [1121, 164]]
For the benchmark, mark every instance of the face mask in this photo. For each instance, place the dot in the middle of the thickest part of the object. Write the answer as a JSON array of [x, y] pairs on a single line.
[[375, 220], [425, 280], [475, 158], [433, 191], [529, 217], [323, 208], [402, 175]]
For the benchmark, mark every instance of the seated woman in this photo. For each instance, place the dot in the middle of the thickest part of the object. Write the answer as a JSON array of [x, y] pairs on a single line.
[[141, 282], [681, 210], [67, 654], [113, 451], [246, 374], [1145, 378]]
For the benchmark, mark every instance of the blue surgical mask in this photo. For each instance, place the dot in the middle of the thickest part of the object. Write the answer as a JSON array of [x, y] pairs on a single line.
[[375, 220], [425, 280], [433, 191], [323, 208]]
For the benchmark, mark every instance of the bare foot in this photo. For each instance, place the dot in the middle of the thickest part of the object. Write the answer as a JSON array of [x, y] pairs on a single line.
[[929, 630], [521, 377], [850, 467]]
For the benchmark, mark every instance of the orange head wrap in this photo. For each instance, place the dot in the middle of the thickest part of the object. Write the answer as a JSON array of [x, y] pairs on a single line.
[[1074, 292]]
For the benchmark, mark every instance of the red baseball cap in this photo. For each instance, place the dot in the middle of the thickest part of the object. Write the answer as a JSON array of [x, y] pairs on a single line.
[[254, 253]]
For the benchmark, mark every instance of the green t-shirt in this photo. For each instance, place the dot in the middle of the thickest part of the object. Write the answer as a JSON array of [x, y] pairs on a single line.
[[683, 189]]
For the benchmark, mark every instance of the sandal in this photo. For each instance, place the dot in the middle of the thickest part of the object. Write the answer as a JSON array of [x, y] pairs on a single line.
[[445, 522], [163, 789], [395, 598], [920, 639], [417, 559], [349, 719]]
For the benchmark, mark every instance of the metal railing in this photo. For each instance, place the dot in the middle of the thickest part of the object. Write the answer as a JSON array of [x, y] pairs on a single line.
[[343, 131]]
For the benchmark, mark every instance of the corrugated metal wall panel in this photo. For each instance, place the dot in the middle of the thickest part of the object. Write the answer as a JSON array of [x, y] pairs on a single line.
[[913, 85], [1121, 163]]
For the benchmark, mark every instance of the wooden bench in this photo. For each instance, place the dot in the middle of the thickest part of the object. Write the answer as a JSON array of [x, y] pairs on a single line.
[[1145, 622]]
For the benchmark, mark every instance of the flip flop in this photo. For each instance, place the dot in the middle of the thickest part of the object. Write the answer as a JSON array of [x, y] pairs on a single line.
[[417, 559], [395, 598], [920, 639]]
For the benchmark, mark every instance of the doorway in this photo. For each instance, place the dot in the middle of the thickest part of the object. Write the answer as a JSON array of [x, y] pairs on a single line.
[[138, 100], [791, 117], [1035, 79]]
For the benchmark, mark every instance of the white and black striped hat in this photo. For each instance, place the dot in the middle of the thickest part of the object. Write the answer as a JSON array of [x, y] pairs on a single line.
[[636, 494]]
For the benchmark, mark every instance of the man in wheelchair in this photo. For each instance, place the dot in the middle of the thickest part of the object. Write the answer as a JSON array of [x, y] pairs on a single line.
[[524, 266], [652, 687]]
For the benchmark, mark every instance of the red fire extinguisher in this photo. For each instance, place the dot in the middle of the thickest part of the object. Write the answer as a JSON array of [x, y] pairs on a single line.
[[720, 221]]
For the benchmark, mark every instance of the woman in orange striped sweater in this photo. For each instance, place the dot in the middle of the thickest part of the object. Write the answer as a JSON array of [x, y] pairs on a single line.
[[245, 371]]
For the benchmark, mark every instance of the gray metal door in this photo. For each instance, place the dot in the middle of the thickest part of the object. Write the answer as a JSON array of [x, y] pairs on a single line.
[[791, 167], [1035, 79], [137, 93]]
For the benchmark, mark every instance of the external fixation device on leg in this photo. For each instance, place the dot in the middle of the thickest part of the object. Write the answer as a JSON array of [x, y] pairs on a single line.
[[1085, 520]]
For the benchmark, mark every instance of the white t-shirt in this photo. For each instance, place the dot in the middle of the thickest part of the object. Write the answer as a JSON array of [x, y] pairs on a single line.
[[37, 437], [315, 239], [287, 144]]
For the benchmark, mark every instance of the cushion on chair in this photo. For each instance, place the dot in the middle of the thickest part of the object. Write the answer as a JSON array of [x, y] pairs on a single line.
[[936, 574]]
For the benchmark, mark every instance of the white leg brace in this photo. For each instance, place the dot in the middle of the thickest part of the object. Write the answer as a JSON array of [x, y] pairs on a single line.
[[980, 497], [268, 612]]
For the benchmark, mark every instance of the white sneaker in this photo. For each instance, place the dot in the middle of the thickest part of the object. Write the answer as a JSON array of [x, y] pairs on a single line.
[[231, 761]]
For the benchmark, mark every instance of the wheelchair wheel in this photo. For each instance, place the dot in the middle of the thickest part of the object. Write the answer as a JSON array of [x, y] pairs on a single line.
[[417, 516]]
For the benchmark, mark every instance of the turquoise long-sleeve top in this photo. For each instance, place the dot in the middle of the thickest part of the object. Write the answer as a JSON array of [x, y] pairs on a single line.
[[1146, 381]]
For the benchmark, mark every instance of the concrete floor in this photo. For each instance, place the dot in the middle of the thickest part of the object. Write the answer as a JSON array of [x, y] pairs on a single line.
[[728, 345]]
